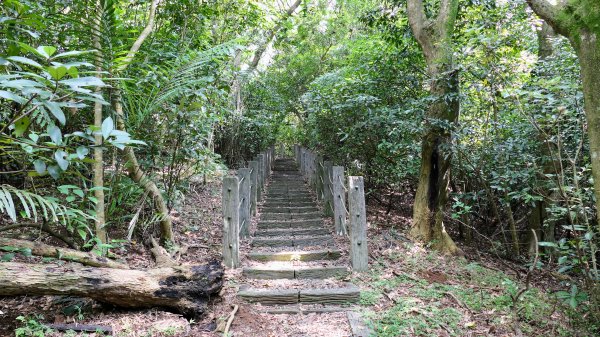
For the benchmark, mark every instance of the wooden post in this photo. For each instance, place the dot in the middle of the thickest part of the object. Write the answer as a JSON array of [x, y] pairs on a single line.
[[359, 251], [319, 178], [253, 185], [261, 175], [265, 166], [327, 188], [231, 218], [244, 176], [303, 162], [339, 200]]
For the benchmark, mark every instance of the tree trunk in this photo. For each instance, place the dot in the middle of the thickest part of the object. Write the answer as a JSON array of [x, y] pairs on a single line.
[[137, 175], [434, 34], [98, 166], [183, 290], [589, 58], [431, 196], [514, 235]]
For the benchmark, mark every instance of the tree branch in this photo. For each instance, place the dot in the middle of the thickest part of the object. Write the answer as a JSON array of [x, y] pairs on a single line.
[[138, 43], [549, 13], [446, 16], [416, 17], [271, 35]]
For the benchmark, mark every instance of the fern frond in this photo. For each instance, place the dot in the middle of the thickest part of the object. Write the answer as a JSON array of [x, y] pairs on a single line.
[[50, 210]]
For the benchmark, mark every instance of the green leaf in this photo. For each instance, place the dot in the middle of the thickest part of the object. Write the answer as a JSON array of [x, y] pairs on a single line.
[[82, 151], [55, 134], [107, 127], [12, 97], [7, 257], [57, 72], [72, 53], [54, 171], [40, 166], [21, 83], [21, 126], [25, 60], [56, 111], [84, 82], [547, 244], [82, 233], [26, 252], [61, 159], [46, 51]]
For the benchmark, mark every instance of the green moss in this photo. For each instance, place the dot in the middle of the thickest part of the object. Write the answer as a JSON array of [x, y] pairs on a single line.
[[580, 15]]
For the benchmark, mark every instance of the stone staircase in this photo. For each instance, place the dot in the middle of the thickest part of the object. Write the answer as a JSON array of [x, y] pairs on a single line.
[[294, 265]]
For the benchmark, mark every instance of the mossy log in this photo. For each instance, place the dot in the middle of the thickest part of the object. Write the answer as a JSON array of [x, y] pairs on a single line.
[[183, 290]]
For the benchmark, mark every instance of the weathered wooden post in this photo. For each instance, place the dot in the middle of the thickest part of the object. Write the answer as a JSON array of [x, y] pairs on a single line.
[[303, 162], [320, 179], [261, 175], [231, 220], [328, 188], [253, 185], [244, 195], [339, 200], [265, 170], [359, 251]]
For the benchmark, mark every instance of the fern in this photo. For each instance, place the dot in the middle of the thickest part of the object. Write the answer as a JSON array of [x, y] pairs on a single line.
[[175, 79], [34, 206]]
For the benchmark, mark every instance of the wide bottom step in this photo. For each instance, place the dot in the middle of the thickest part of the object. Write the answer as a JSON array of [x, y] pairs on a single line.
[[349, 294], [312, 255], [295, 273]]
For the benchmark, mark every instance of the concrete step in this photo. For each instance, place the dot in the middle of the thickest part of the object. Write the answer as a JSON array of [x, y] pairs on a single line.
[[342, 295], [299, 255], [269, 203], [290, 216], [291, 232], [265, 273], [287, 224], [323, 241], [290, 209], [292, 199]]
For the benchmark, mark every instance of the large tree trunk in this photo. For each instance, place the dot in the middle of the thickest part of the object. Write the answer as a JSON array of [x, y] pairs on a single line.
[[577, 20], [589, 58], [434, 32], [431, 196], [183, 290]]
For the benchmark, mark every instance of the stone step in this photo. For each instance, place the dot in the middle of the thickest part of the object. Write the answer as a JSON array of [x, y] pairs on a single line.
[[288, 204], [290, 209], [288, 194], [291, 198], [347, 294], [325, 241], [293, 224], [311, 255], [290, 232], [295, 273], [292, 309], [290, 216]]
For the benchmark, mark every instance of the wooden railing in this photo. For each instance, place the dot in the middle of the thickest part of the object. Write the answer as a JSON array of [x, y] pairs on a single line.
[[240, 195], [327, 181]]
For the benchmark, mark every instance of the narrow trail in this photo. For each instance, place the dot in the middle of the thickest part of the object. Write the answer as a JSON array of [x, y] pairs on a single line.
[[295, 265]]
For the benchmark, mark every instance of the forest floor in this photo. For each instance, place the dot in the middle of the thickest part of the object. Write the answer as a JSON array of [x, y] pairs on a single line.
[[408, 291]]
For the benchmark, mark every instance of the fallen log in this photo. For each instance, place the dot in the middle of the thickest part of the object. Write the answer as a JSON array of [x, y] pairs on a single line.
[[184, 290], [42, 249]]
